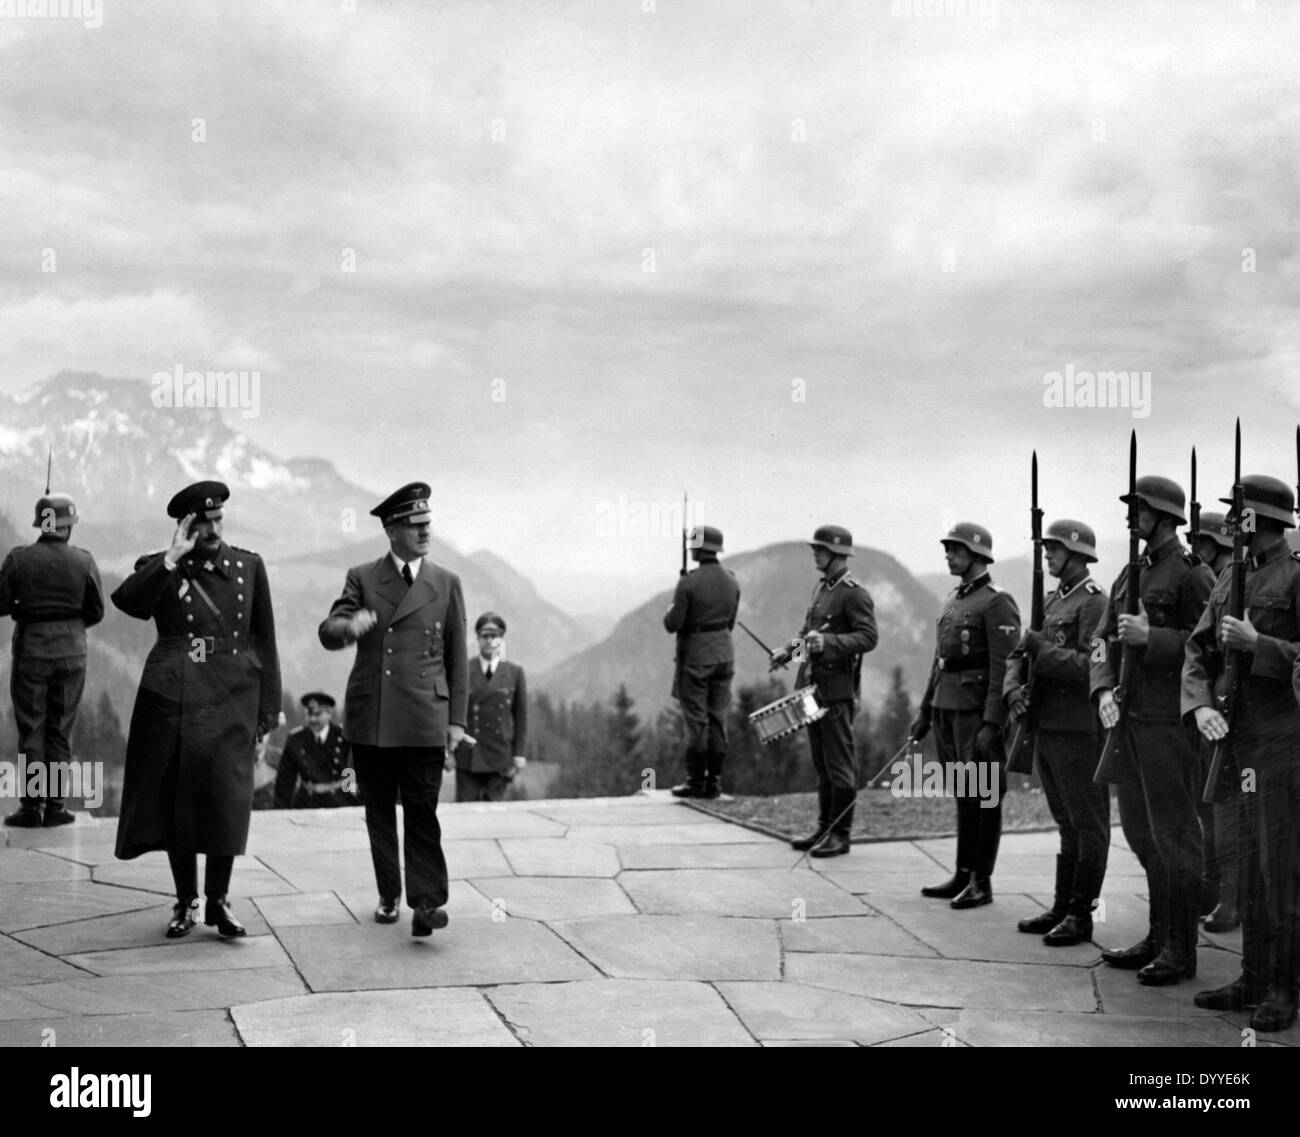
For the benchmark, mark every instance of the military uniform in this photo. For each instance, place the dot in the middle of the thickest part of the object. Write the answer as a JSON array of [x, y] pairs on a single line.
[[1264, 727], [977, 628], [1066, 744], [498, 721], [311, 771], [702, 615], [53, 592], [1158, 787]]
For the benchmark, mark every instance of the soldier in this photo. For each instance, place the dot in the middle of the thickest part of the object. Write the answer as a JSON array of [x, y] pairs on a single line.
[[1222, 821], [839, 629], [406, 701], [52, 590], [1158, 772], [1265, 724], [210, 691], [978, 627], [703, 613], [498, 718], [315, 769], [1066, 734]]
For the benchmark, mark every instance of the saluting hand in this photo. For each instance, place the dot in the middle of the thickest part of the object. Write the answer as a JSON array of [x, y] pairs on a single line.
[[183, 540]]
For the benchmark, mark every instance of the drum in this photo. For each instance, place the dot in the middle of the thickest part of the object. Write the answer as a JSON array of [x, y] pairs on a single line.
[[785, 716]]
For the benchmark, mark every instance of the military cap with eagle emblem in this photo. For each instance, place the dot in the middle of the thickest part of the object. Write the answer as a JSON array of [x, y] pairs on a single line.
[[204, 499], [408, 506]]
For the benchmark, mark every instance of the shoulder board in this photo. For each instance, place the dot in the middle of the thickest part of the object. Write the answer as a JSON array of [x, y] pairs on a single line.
[[993, 587], [246, 552], [849, 582], [1189, 558], [1092, 586], [1050, 595]]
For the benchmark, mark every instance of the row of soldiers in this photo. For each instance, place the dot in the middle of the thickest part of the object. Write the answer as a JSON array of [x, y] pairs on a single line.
[[1247, 846]]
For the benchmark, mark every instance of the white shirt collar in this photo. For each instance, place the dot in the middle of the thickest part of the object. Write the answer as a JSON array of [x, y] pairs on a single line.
[[483, 663], [416, 564]]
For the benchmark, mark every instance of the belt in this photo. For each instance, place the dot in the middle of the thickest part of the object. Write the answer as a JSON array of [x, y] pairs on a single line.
[[320, 787], [212, 645], [47, 618], [696, 629], [965, 662]]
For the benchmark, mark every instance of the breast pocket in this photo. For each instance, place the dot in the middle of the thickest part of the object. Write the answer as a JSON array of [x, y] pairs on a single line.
[[969, 633], [1273, 615], [1162, 607], [1062, 631]]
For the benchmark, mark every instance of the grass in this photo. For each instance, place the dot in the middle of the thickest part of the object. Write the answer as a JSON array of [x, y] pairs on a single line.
[[879, 816]]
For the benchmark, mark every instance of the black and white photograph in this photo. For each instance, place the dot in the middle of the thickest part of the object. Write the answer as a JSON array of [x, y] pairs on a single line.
[[651, 523]]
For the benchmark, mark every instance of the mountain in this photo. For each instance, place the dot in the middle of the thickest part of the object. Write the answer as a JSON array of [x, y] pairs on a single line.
[[122, 458], [776, 583]]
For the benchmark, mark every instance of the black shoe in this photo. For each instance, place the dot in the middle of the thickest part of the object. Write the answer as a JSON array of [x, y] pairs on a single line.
[[28, 817], [1236, 996], [386, 913], [711, 789], [978, 892], [1043, 922], [688, 788], [1130, 959], [832, 845], [217, 912], [947, 891], [1224, 918], [1277, 1012], [58, 815], [426, 919], [805, 843], [1167, 968], [1072, 930], [182, 921]]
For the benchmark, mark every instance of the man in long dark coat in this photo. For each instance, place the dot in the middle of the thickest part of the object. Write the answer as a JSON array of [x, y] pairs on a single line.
[[210, 690]]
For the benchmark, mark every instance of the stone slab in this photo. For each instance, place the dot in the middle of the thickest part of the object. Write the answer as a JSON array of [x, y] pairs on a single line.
[[298, 908], [677, 947], [947, 982], [321, 870], [619, 1012], [925, 1040], [464, 901], [790, 1011], [558, 856], [23, 866], [1121, 993], [870, 934], [1035, 1029], [21, 964], [487, 822], [768, 855], [555, 898], [368, 957], [453, 1016], [209, 953], [625, 816], [875, 857], [710, 833], [143, 928], [168, 1028], [174, 991], [39, 904], [791, 1042], [770, 893]]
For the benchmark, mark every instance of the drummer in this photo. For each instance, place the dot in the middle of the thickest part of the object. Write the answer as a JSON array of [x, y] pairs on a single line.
[[839, 629]]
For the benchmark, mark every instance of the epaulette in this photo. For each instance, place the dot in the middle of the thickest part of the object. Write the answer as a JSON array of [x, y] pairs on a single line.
[[1189, 558], [849, 582], [1092, 586], [246, 552], [993, 587]]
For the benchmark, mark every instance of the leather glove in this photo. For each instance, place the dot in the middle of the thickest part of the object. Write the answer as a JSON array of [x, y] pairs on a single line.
[[988, 733], [919, 728], [1016, 704]]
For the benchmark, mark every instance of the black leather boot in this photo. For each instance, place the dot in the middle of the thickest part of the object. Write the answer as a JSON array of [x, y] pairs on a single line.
[[1235, 996], [1276, 1012], [1073, 929], [836, 842], [694, 784], [949, 889], [217, 913], [1130, 959], [1046, 921], [823, 821], [182, 921], [978, 892]]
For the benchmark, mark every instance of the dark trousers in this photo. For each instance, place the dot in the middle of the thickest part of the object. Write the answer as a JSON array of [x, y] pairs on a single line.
[[979, 826], [704, 693], [415, 771], [830, 739], [1270, 855], [1081, 809], [185, 874], [1159, 785], [1221, 826], [488, 785], [46, 694]]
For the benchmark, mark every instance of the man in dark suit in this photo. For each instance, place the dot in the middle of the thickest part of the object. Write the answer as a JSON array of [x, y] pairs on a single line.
[[406, 701], [210, 690], [52, 590], [498, 718], [315, 769]]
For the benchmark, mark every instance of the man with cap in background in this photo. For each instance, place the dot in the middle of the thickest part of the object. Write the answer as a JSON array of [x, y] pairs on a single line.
[[1221, 821], [1159, 769], [52, 590], [498, 718], [406, 701], [209, 692], [702, 615], [315, 769], [1262, 734], [1066, 734], [838, 630], [978, 627]]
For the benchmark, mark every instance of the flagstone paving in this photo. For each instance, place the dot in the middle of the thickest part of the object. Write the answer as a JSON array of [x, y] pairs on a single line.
[[618, 922]]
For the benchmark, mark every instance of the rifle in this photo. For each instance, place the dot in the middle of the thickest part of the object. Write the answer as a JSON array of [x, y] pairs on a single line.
[[1020, 752], [685, 538], [1113, 749], [1194, 531], [1231, 679]]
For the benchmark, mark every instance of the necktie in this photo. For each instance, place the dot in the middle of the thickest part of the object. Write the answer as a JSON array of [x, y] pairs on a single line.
[[406, 575], [488, 672]]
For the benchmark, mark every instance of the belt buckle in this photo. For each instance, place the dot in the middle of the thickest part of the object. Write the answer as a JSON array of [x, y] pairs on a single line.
[[209, 644], [943, 664]]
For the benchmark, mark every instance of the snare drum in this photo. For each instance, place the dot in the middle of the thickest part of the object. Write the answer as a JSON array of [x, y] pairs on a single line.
[[786, 715]]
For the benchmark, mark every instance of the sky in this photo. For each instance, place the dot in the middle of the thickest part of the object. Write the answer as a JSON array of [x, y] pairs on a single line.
[[810, 262]]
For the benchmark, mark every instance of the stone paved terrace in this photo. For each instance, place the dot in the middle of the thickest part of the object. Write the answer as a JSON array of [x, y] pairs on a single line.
[[591, 922]]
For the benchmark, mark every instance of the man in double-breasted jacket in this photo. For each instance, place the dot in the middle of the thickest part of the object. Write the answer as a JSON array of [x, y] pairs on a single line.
[[498, 718]]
